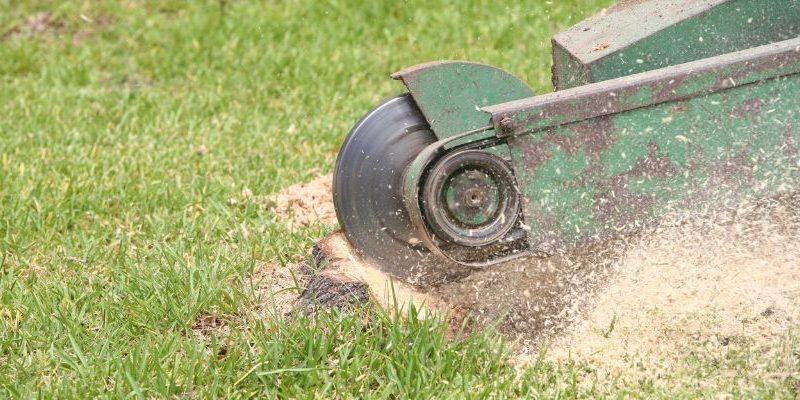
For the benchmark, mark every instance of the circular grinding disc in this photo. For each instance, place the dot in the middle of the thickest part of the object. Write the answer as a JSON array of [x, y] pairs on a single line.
[[367, 185]]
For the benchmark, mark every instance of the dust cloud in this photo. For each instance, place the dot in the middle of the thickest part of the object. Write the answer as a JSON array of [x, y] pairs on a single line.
[[719, 277], [730, 277]]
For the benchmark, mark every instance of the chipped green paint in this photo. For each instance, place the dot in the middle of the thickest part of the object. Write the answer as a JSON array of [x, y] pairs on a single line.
[[646, 89], [451, 93], [642, 96], [610, 174], [553, 198], [669, 124], [667, 33]]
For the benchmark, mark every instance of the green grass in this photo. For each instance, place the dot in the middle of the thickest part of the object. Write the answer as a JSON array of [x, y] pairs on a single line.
[[115, 235]]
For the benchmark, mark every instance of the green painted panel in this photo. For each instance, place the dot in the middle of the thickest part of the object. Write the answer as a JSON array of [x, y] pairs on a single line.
[[608, 175], [664, 85], [568, 71], [450, 94], [649, 35]]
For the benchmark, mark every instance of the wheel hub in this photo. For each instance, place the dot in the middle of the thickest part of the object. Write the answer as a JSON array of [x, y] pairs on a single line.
[[472, 197], [469, 198]]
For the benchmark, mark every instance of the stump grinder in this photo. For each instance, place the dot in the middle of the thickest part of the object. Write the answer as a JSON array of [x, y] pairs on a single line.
[[658, 105]]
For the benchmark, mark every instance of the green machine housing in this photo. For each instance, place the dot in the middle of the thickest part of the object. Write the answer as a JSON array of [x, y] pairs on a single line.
[[658, 105]]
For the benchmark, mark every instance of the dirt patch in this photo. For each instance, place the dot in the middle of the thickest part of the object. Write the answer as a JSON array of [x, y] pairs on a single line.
[[275, 287], [305, 204], [214, 331], [45, 24], [40, 24], [207, 325]]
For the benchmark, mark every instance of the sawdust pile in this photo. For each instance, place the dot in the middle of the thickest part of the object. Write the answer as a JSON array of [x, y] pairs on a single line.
[[305, 204], [722, 278], [534, 299], [715, 281], [277, 286]]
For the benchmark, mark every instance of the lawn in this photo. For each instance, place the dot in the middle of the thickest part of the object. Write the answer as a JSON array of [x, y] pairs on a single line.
[[131, 130]]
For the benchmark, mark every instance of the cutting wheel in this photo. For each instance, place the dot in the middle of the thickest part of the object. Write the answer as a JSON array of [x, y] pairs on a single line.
[[367, 184]]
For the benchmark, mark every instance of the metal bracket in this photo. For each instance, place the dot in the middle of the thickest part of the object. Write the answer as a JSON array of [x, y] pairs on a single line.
[[451, 93]]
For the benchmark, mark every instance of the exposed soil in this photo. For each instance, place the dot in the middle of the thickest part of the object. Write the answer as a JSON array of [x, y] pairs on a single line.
[[276, 287], [45, 24], [40, 24], [210, 325]]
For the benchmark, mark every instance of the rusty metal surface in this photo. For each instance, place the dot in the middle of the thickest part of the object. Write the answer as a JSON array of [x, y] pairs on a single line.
[[613, 174], [639, 36], [673, 124], [646, 89], [606, 159]]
